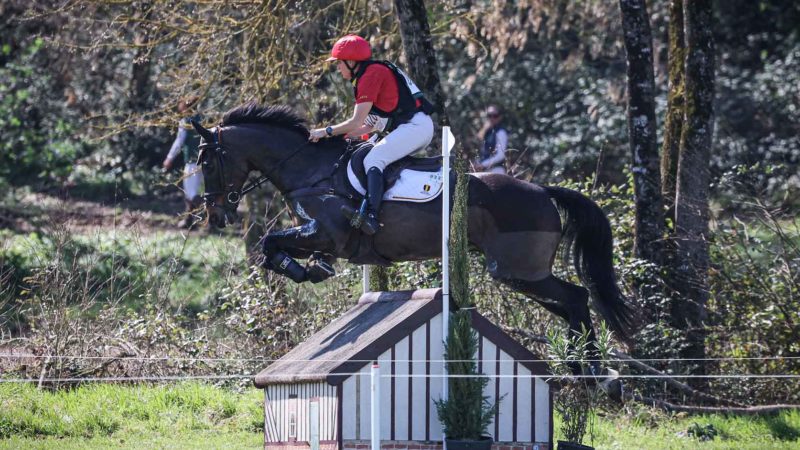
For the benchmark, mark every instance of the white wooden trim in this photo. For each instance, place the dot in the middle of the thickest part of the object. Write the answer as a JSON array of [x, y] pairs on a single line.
[[364, 402], [386, 391], [437, 354], [543, 416], [418, 398], [489, 368], [349, 405], [506, 416], [525, 411], [401, 382]]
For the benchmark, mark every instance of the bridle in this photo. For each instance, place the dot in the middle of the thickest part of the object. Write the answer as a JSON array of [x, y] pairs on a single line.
[[233, 197]]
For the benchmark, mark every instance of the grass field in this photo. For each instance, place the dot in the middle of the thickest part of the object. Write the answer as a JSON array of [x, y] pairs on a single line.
[[202, 416]]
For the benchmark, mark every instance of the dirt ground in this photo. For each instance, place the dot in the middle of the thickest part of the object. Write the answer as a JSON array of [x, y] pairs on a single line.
[[37, 210]]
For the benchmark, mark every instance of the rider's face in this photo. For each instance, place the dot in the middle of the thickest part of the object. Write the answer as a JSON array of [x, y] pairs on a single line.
[[342, 67]]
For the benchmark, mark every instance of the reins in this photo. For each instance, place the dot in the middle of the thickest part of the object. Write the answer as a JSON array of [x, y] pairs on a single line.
[[235, 196]]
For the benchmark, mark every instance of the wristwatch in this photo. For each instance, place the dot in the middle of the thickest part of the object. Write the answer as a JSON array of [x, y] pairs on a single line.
[[329, 130]]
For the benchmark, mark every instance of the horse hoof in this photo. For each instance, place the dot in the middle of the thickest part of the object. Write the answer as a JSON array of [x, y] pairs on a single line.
[[612, 385]]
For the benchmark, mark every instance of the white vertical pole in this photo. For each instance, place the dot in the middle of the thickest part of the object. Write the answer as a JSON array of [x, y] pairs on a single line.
[[375, 406], [446, 144], [365, 279]]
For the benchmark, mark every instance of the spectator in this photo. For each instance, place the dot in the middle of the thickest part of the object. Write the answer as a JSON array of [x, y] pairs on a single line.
[[495, 142], [187, 141]]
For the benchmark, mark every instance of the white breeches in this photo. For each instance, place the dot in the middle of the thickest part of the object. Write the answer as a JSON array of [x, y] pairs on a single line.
[[404, 140], [192, 180]]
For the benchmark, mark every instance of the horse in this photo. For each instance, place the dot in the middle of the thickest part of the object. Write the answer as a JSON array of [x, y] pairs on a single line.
[[515, 224]]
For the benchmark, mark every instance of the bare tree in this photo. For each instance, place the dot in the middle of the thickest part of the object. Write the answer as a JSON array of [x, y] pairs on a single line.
[[691, 203], [642, 130], [418, 45], [673, 123]]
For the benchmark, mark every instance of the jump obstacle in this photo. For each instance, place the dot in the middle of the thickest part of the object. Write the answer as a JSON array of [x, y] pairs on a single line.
[[368, 380]]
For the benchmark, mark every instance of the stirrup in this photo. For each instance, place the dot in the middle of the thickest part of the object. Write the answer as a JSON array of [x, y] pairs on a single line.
[[367, 223], [370, 224]]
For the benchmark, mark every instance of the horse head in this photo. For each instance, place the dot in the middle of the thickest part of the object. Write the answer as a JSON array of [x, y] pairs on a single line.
[[224, 173]]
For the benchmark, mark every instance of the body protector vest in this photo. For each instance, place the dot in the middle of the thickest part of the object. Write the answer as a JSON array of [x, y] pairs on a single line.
[[192, 143], [410, 99], [490, 142]]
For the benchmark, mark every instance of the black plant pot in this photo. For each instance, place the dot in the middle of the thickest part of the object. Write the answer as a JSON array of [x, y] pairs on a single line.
[[564, 445], [484, 444]]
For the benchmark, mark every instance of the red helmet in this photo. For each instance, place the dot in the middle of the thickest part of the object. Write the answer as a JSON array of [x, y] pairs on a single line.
[[352, 48]]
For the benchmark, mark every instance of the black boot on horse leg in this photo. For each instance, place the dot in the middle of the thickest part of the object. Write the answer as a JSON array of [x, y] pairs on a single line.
[[366, 218], [283, 264]]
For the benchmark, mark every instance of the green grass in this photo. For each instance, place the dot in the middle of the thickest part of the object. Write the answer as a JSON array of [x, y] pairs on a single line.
[[199, 416], [99, 416], [654, 430], [197, 439], [194, 266]]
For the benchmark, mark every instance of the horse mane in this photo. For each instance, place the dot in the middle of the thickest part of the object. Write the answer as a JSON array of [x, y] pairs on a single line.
[[252, 112]]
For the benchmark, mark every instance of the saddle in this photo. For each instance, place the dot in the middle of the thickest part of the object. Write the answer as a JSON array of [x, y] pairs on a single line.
[[410, 179]]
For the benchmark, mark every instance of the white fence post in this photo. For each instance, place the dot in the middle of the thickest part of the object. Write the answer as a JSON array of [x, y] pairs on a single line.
[[448, 140], [375, 406]]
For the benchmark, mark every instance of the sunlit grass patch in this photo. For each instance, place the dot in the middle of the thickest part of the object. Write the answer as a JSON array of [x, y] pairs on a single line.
[[105, 409]]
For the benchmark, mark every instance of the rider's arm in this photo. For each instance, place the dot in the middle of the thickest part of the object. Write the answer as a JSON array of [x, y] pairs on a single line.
[[177, 144], [355, 122], [348, 126], [499, 154], [360, 131]]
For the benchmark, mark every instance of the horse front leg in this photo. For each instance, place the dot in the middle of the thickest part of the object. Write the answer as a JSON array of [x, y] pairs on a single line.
[[307, 241]]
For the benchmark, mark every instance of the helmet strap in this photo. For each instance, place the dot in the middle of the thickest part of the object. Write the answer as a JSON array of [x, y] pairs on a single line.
[[351, 69]]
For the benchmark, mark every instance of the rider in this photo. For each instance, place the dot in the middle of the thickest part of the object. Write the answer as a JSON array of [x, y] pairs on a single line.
[[387, 102]]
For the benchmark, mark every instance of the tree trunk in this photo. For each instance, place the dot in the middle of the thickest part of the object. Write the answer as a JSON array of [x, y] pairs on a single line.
[[675, 107], [418, 46], [691, 204], [642, 130], [140, 71]]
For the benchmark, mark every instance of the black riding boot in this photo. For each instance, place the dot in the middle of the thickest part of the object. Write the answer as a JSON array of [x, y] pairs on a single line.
[[365, 217], [374, 200]]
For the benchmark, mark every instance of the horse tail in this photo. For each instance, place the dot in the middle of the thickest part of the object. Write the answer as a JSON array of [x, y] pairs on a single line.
[[587, 236]]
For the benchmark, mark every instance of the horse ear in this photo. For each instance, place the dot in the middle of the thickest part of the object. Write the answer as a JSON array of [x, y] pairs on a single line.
[[203, 132]]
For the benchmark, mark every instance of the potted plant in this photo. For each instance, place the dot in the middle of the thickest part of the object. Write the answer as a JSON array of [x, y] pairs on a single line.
[[578, 397], [466, 413]]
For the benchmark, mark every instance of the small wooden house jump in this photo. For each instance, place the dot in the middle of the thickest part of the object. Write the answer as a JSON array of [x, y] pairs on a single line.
[[319, 392]]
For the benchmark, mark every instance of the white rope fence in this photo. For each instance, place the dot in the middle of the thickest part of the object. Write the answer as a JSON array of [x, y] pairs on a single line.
[[365, 374], [367, 361]]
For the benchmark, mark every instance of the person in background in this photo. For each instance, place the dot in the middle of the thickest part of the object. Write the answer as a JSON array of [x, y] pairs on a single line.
[[495, 142], [188, 142]]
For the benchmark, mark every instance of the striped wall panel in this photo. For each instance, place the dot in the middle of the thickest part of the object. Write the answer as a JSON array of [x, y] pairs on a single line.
[[281, 402]]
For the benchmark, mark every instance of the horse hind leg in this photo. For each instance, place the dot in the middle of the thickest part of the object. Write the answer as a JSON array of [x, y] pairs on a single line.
[[566, 300]]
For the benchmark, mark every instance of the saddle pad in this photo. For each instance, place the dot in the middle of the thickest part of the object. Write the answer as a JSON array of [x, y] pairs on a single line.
[[412, 186]]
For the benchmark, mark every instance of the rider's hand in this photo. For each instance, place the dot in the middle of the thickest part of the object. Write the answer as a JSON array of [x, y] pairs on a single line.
[[167, 164], [478, 167], [317, 134]]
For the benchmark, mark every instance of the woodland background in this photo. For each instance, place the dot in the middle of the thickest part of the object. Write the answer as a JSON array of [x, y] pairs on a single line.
[[91, 263]]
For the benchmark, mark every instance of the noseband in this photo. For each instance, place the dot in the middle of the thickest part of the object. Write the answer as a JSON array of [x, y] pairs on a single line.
[[233, 197]]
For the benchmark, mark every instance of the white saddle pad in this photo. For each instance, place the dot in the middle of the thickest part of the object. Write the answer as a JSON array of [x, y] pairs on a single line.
[[413, 186]]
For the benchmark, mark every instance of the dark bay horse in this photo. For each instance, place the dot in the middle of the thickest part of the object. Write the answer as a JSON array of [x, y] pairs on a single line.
[[515, 224]]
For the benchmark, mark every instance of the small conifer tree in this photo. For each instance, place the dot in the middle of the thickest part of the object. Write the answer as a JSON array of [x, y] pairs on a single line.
[[466, 413]]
